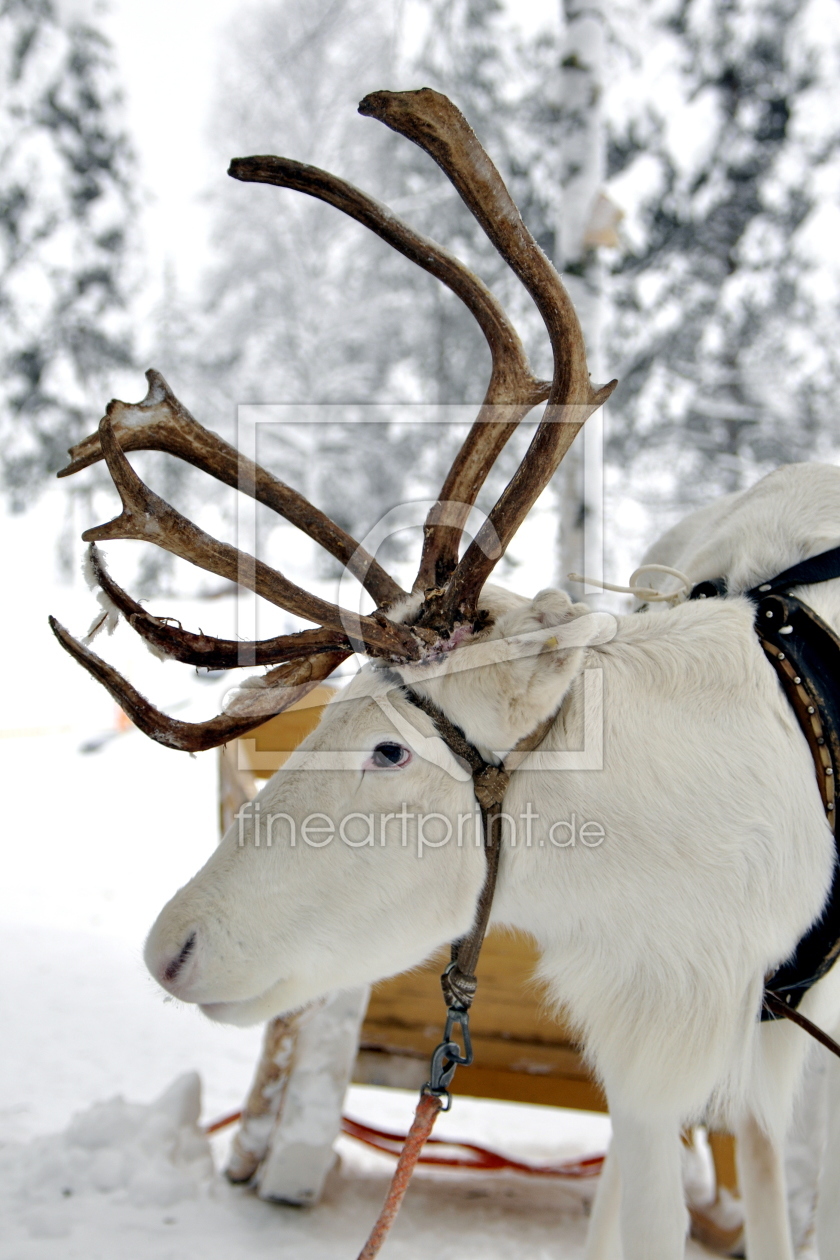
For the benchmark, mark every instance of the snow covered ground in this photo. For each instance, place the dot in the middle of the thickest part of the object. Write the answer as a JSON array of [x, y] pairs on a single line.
[[93, 844], [84, 1173], [135, 1179]]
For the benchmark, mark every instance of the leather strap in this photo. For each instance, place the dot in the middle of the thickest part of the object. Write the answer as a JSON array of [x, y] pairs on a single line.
[[821, 568], [490, 782], [805, 653], [778, 1010]]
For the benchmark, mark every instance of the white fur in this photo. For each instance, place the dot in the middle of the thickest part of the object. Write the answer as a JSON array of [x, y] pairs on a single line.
[[716, 857]]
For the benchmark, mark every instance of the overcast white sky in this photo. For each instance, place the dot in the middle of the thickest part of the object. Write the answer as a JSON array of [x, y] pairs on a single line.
[[167, 53]]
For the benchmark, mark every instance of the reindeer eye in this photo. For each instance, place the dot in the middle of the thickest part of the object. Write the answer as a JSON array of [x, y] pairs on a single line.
[[388, 756]]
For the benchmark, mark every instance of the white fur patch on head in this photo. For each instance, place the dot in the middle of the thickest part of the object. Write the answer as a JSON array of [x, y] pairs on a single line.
[[501, 683], [405, 610]]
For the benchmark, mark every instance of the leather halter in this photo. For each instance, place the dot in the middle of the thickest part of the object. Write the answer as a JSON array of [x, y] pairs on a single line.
[[458, 980], [805, 653], [490, 782]]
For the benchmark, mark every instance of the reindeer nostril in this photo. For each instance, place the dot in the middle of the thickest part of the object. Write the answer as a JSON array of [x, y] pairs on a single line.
[[177, 963]]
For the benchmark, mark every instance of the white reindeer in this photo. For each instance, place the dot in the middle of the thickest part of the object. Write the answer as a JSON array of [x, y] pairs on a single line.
[[716, 856]]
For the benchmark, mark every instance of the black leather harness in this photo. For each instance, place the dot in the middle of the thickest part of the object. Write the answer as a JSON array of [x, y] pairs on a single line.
[[805, 653]]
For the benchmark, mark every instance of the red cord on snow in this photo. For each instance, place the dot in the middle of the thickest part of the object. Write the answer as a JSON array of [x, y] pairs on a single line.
[[464, 1154]]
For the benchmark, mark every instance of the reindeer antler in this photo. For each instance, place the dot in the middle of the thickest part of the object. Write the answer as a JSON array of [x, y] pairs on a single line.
[[513, 389], [437, 126], [147, 517], [161, 423], [202, 650], [450, 587]]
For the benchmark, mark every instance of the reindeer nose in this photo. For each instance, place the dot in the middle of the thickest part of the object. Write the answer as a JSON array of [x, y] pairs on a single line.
[[172, 971]]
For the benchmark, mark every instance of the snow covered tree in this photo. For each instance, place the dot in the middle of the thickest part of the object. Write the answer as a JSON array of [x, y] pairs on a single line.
[[303, 306], [537, 102], [65, 216], [508, 88], [721, 148], [585, 222], [725, 151]]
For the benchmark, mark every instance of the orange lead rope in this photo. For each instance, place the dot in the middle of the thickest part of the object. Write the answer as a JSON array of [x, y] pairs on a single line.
[[428, 1107]]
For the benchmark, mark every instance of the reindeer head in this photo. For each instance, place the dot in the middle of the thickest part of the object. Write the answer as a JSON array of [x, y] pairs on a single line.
[[264, 927]]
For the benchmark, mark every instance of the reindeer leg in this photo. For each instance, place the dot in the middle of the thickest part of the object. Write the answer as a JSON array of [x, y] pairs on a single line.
[[602, 1239], [761, 1176], [828, 1203], [654, 1220]]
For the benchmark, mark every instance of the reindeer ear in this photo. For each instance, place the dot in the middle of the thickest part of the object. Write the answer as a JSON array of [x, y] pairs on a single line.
[[549, 610], [555, 608], [548, 638]]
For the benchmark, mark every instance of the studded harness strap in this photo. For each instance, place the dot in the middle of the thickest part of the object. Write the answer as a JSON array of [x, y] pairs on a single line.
[[805, 653]]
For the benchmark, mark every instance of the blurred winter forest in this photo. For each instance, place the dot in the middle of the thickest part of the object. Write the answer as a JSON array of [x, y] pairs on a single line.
[[679, 161]]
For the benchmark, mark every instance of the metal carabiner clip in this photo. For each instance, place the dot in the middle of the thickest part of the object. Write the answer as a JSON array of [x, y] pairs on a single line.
[[448, 1056], [458, 1016]]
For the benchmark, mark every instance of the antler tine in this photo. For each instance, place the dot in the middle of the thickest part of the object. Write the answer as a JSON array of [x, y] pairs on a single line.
[[147, 517], [161, 423], [204, 651], [437, 126], [291, 682], [513, 389]]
